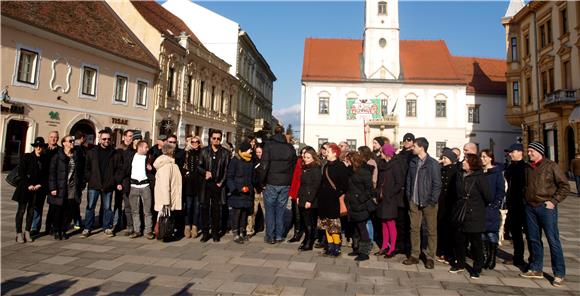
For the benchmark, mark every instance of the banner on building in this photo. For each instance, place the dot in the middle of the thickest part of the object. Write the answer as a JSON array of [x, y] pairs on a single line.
[[366, 109]]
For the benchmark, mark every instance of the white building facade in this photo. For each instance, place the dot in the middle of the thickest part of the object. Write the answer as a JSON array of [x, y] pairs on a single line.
[[228, 41], [355, 90]]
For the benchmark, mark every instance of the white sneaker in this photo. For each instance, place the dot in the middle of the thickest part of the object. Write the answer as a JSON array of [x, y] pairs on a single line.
[[109, 232]]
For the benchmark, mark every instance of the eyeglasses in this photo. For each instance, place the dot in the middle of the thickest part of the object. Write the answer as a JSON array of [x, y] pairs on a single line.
[[216, 138], [105, 139], [71, 141], [171, 142], [408, 140], [194, 142]]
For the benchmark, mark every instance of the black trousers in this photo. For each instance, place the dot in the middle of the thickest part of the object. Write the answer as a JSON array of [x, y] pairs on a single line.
[[308, 218], [361, 230], [61, 215], [211, 203], [239, 220], [403, 224], [28, 207], [517, 227], [461, 239], [297, 222]]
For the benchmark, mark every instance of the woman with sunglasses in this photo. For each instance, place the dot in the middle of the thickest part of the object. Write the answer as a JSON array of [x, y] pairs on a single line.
[[192, 187], [64, 185]]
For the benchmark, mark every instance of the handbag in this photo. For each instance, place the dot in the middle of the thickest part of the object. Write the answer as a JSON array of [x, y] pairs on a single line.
[[343, 210], [166, 225], [13, 178], [460, 210]]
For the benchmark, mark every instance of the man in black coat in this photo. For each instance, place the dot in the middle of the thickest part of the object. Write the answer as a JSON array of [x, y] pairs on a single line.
[[50, 150], [122, 204], [100, 172], [278, 161], [213, 164], [403, 223]]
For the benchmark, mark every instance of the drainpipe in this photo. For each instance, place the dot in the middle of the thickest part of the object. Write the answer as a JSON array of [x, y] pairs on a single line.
[[537, 70], [303, 115]]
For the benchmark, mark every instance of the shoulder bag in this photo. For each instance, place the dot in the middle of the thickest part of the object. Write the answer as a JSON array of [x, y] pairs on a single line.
[[460, 210], [343, 209]]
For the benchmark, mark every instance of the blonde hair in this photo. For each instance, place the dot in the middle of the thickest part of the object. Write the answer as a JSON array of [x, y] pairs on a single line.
[[199, 139]]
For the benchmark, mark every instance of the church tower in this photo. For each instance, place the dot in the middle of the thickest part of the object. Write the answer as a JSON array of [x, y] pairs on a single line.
[[381, 39]]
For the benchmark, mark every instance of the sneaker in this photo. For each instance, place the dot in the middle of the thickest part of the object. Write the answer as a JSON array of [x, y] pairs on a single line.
[[86, 233], [109, 232], [150, 235], [558, 281], [530, 274], [455, 269], [20, 238], [474, 275], [77, 227], [441, 259], [134, 235], [238, 239]]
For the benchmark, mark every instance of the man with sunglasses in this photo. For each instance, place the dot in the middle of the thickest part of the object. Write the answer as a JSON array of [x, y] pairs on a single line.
[[101, 170], [213, 164], [403, 223]]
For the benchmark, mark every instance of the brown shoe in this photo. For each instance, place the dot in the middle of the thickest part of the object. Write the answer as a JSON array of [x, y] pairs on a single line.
[[194, 231], [530, 274], [187, 231], [429, 264], [411, 260]]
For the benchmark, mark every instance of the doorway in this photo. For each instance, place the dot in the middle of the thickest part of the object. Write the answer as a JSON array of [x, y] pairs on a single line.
[[87, 128], [15, 145]]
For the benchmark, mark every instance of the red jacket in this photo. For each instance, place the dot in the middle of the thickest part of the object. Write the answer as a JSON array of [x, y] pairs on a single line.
[[293, 193]]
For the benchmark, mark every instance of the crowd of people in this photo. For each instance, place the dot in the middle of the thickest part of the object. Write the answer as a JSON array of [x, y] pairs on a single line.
[[403, 200]]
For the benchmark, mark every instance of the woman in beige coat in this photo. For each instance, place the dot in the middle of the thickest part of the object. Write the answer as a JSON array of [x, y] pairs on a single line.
[[167, 180]]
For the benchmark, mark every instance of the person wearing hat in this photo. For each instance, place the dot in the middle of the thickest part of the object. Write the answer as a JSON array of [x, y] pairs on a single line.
[[32, 186], [447, 199], [516, 216], [239, 180], [546, 187], [403, 219]]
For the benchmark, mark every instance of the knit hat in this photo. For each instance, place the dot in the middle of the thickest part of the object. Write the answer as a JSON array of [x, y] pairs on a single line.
[[537, 146], [388, 150], [447, 152], [245, 146], [409, 136]]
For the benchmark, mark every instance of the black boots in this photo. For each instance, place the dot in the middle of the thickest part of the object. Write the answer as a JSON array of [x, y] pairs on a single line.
[[308, 241], [489, 253], [355, 247], [297, 221], [364, 250]]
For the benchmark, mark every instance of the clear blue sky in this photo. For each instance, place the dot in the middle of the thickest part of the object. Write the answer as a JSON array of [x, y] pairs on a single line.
[[279, 29]]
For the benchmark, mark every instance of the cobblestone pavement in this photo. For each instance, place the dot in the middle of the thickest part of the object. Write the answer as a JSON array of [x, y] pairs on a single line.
[[100, 265]]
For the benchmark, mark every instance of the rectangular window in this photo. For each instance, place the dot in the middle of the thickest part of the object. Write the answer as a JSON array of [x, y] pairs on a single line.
[[170, 78], [550, 80], [212, 106], [201, 92], [549, 31], [190, 89], [141, 93], [528, 91], [527, 44], [439, 147], [89, 81], [27, 66], [440, 108], [321, 141], [542, 38], [514, 45], [473, 114], [223, 103], [385, 107], [567, 75], [323, 105], [544, 84], [121, 89], [351, 144], [411, 108], [516, 93], [564, 18], [229, 109], [383, 7]]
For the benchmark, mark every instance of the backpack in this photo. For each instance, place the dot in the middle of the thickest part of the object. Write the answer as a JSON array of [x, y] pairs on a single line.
[[13, 178]]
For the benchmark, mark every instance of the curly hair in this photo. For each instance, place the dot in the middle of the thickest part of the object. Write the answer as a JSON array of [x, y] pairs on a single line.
[[474, 162]]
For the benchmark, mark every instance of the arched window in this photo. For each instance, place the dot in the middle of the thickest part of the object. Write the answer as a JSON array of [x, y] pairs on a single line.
[[440, 106], [382, 7], [323, 103], [411, 105]]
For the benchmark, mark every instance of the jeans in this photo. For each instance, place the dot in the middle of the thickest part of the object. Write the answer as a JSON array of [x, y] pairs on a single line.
[[136, 196], [191, 210], [538, 219], [417, 215], [37, 214], [275, 199], [492, 237], [92, 197], [577, 178]]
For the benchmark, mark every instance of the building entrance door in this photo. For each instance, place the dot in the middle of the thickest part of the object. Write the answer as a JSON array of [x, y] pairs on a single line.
[[87, 128], [15, 145]]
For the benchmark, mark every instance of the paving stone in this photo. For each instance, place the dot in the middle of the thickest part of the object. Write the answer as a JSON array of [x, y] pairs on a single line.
[[288, 281], [293, 291], [247, 261], [395, 290], [157, 270], [193, 264], [306, 266], [267, 290], [48, 268], [206, 284], [276, 263], [256, 278], [195, 273], [255, 270], [80, 271], [376, 280], [296, 273], [102, 274], [225, 276], [519, 282], [131, 276], [237, 287], [106, 264], [337, 287], [170, 281], [335, 276], [358, 288]]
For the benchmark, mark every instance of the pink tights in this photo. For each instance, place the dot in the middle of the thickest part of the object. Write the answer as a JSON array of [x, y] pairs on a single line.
[[389, 235]]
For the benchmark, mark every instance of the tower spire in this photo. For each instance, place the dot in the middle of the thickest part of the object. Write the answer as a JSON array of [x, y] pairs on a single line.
[[381, 40]]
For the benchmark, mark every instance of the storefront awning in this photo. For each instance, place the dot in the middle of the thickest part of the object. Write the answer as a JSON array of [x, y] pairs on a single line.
[[575, 115]]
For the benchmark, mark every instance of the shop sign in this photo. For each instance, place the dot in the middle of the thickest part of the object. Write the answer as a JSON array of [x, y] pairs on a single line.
[[120, 121], [363, 109], [13, 109]]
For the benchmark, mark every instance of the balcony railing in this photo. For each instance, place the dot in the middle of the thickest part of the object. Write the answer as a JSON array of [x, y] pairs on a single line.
[[562, 96], [386, 120]]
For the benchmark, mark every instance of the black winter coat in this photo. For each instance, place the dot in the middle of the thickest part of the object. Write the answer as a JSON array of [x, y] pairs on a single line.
[[328, 195], [111, 178], [448, 196], [240, 174], [475, 188], [192, 179], [393, 189], [32, 170], [205, 164], [359, 192], [278, 160], [309, 184], [58, 177], [497, 190], [515, 175]]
